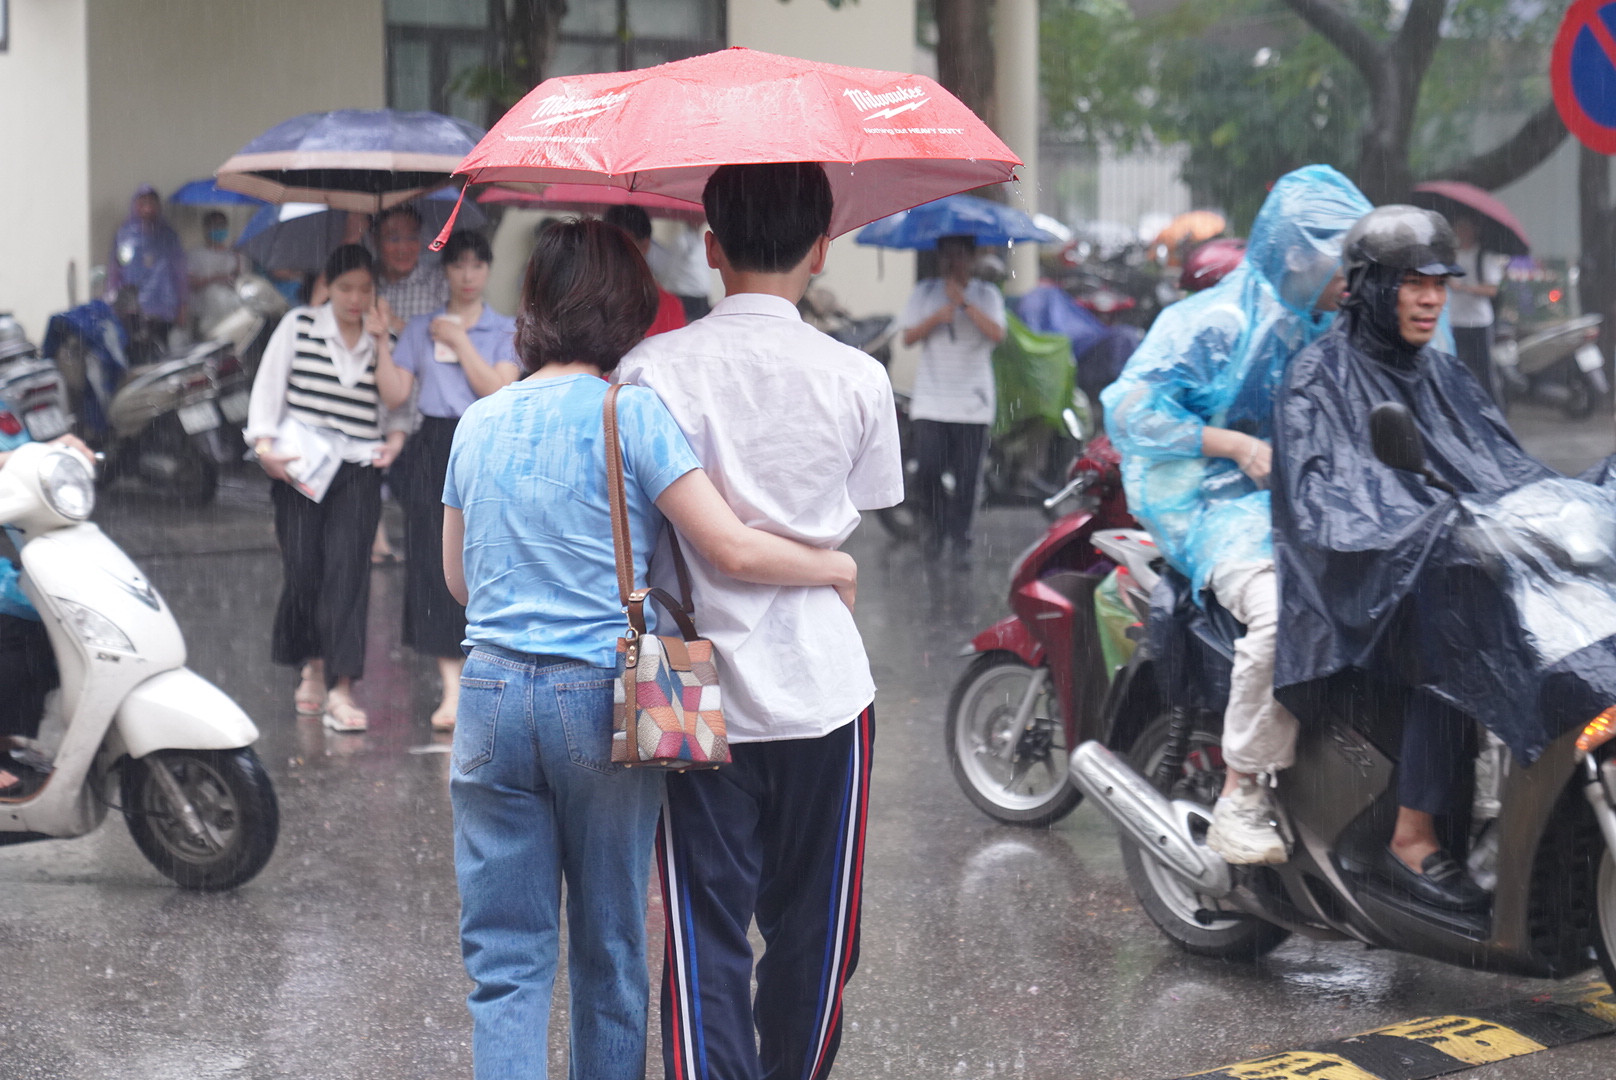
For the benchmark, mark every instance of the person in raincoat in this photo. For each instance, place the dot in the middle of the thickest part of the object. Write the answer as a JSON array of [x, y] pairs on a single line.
[[1190, 414], [1497, 603], [148, 261]]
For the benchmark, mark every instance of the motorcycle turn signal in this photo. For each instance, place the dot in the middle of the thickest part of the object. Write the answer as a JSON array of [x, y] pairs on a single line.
[[1600, 730]]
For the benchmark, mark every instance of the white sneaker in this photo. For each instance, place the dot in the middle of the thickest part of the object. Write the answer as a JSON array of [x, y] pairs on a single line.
[[1243, 829]]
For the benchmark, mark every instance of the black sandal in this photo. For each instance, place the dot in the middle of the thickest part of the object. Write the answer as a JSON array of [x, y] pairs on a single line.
[[28, 770]]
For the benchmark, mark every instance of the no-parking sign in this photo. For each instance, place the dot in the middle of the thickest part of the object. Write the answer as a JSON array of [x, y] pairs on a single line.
[[1583, 73]]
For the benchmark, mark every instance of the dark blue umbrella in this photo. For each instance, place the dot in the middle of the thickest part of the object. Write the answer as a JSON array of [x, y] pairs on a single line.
[[351, 159], [299, 236], [957, 215], [208, 193]]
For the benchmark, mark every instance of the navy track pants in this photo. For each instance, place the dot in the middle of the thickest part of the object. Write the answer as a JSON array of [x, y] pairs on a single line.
[[777, 834]]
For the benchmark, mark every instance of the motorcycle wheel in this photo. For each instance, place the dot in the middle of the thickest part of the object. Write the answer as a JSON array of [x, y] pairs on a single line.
[[1034, 791], [171, 464], [232, 796], [1580, 397], [1605, 914], [1171, 902]]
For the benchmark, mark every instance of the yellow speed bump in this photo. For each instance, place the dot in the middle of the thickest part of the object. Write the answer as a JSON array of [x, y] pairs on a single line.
[[1472, 1041]]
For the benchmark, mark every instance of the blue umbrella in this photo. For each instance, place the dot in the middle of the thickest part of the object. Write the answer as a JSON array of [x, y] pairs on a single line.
[[207, 193], [957, 215], [299, 236], [351, 159]]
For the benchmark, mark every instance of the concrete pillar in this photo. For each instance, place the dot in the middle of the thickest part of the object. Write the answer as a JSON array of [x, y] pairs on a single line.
[[1015, 46]]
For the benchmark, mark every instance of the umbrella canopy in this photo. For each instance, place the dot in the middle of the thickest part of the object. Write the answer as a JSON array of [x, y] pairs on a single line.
[[592, 197], [888, 141], [1500, 230], [206, 192], [957, 215], [299, 236], [351, 159], [1190, 228]]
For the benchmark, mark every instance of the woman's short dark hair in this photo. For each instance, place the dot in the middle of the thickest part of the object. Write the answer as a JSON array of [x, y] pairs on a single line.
[[587, 297], [463, 241], [349, 257], [767, 217]]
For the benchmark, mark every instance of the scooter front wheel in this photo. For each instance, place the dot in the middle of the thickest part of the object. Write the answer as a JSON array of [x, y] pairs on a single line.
[[1013, 770], [208, 819]]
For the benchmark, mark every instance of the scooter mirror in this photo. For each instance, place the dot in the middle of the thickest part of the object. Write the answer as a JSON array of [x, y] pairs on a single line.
[[1394, 438]]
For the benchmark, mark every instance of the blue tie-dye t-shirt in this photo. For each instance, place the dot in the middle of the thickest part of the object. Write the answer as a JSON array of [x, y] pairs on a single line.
[[13, 601], [528, 471]]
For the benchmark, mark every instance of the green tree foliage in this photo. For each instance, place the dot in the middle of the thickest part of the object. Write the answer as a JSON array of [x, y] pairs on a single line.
[[1254, 91]]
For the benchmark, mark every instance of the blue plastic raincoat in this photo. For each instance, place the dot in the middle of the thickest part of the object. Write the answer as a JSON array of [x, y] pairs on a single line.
[[1217, 359]]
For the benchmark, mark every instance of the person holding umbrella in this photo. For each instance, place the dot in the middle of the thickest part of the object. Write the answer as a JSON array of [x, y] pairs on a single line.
[[958, 319], [316, 386], [444, 361], [1470, 301]]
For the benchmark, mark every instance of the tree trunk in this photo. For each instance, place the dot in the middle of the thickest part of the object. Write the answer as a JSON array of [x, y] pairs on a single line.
[[524, 34], [965, 53], [1596, 285]]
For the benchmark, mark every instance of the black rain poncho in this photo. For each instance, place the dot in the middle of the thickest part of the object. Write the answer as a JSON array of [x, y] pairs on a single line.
[[1501, 602]]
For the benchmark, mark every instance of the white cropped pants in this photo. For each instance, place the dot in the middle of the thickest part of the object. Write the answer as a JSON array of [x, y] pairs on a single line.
[[1259, 734]]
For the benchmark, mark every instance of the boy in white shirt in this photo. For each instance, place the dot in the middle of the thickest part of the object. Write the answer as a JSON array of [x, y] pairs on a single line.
[[799, 434]]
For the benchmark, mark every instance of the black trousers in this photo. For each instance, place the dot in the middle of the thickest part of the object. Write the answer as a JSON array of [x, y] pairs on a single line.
[[952, 448], [1475, 347], [27, 673], [777, 834], [1438, 744], [325, 571], [434, 621]]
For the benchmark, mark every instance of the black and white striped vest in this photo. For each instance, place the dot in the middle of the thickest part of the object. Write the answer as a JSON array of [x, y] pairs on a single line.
[[317, 397]]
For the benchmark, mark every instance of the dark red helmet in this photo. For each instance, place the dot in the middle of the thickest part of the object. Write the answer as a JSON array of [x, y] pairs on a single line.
[[1207, 264]]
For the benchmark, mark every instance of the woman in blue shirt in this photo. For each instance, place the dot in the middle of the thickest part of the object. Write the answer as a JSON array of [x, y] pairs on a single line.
[[459, 354], [527, 544]]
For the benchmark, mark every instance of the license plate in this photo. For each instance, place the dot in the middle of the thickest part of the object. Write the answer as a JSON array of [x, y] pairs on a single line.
[[198, 417], [45, 424], [234, 406], [1589, 358]]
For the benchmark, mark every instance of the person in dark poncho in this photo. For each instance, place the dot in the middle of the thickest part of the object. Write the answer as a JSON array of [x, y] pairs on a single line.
[[1497, 604]]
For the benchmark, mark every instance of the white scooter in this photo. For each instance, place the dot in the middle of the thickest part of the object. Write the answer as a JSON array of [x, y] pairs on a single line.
[[194, 795]]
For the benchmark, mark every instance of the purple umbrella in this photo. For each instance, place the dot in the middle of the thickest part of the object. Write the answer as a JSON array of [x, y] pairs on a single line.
[[350, 159]]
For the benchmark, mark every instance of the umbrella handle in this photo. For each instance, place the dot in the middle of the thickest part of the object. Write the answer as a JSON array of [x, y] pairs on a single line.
[[448, 226]]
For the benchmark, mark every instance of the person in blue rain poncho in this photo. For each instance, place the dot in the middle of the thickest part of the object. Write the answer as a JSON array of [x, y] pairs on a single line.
[[1191, 415]]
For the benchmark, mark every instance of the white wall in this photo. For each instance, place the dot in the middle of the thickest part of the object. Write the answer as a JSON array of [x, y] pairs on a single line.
[[44, 188], [869, 33], [177, 86]]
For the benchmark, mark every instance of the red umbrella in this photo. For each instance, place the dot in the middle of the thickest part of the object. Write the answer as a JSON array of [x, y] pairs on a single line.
[[594, 196], [888, 141], [1500, 231]]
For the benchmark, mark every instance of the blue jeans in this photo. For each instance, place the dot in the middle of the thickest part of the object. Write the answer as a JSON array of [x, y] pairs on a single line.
[[538, 801]]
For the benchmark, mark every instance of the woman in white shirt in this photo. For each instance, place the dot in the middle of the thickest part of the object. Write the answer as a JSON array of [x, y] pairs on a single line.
[[316, 384], [1470, 303], [959, 319]]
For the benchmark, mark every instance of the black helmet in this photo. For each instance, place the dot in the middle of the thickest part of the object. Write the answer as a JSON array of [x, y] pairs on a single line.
[[1401, 237]]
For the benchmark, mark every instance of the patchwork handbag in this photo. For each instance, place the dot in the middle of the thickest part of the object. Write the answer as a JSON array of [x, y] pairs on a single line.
[[667, 712]]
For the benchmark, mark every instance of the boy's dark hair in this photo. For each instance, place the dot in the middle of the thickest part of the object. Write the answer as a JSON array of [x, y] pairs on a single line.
[[462, 241], [587, 296], [631, 219], [401, 210], [349, 257], [767, 217], [214, 217]]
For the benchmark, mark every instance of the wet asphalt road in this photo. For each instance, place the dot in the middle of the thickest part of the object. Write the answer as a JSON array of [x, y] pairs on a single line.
[[987, 951]]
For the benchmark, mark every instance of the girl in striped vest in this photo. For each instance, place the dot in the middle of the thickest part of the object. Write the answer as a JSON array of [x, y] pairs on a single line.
[[319, 371]]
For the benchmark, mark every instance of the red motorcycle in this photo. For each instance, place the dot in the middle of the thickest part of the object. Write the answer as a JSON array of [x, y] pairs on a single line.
[[1021, 706]]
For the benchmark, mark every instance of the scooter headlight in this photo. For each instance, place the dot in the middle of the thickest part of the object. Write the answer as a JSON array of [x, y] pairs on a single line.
[[68, 486], [94, 628]]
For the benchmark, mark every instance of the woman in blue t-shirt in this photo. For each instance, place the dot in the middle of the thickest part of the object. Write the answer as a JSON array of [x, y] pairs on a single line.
[[461, 353], [527, 544]]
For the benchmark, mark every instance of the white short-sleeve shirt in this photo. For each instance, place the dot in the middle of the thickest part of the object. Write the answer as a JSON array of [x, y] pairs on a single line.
[[799, 434], [1466, 310], [954, 382]]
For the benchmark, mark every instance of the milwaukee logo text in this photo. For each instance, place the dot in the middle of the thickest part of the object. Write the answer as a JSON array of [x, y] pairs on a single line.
[[901, 101]]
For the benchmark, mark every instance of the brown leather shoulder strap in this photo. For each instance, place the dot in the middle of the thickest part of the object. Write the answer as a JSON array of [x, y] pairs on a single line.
[[617, 499]]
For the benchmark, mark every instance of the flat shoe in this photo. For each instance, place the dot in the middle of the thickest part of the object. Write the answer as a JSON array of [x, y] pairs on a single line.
[[308, 706], [1440, 882], [345, 718]]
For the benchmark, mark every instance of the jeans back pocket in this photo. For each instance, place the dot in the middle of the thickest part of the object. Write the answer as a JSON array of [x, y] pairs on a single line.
[[586, 718], [476, 722]]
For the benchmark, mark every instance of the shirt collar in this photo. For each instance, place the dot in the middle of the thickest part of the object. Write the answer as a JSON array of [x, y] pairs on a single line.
[[757, 304], [325, 325]]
